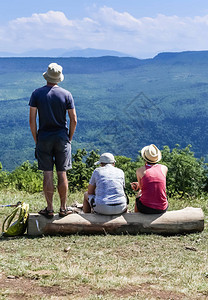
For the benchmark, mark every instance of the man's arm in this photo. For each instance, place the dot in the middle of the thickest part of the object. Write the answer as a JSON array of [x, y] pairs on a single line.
[[73, 122], [33, 124], [91, 189]]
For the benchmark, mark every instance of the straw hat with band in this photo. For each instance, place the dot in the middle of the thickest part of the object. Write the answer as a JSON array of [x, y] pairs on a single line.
[[54, 73], [151, 154], [106, 158]]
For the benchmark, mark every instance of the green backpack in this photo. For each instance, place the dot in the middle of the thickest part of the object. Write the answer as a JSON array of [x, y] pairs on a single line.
[[19, 217]]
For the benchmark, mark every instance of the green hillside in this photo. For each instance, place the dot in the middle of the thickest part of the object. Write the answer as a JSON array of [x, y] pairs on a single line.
[[122, 103]]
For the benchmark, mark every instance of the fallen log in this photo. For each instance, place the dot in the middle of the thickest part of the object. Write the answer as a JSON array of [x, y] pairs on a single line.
[[182, 221]]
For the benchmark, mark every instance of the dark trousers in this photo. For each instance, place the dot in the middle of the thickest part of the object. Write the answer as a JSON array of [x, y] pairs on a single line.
[[148, 210]]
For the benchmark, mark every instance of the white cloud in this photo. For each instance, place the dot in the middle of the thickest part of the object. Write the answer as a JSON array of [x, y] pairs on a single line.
[[51, 17], [106, 29]]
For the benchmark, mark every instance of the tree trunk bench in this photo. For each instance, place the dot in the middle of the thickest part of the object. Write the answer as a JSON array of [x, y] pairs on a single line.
[[182, 221]]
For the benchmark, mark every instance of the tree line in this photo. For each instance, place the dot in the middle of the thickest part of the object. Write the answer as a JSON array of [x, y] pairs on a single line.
[[187, 175]]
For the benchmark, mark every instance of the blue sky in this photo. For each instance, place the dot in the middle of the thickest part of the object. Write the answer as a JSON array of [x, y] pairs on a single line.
[[136, 27]]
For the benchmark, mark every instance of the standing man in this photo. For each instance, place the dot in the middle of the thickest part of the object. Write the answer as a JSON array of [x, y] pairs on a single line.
[[53, 138]]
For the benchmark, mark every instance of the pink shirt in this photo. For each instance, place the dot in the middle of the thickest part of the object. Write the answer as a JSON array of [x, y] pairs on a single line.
[[153, 186]]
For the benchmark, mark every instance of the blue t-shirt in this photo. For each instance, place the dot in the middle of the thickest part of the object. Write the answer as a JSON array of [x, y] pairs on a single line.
[[52, 103]]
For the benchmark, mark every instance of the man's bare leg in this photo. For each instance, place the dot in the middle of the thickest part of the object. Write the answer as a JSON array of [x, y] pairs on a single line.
[[48, 188], [62, 188], [86, 205]]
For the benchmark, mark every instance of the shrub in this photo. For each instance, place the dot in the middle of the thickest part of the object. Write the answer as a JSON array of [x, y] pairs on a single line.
[[4, 180], [187, 175], [82, 168], [129, 167], [27, 178]]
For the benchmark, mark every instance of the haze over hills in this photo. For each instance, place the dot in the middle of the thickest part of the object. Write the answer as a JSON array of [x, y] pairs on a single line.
[[122, 103]]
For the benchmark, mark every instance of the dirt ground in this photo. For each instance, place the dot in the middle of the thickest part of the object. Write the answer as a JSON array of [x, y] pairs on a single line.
[[25, 288]]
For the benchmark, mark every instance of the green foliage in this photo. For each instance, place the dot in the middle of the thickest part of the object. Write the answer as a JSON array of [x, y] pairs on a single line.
[[187, 175], [27, 178], [82, 169], [4, 180], [129, 167]]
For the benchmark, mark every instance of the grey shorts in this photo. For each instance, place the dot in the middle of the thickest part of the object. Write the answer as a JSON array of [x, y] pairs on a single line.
[[106, 209], [54, 149]]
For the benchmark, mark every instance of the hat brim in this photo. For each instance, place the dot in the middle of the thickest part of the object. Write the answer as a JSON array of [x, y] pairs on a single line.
[[100, 162], [52, 80], [146, 159]]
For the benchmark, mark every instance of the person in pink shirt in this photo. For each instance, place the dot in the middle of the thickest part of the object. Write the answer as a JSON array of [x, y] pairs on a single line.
[[151, 184]]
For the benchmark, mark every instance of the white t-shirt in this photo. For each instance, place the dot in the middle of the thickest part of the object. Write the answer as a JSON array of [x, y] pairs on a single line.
[[109, 182]]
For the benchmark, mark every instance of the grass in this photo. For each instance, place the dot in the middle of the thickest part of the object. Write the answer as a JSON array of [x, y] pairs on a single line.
[[103, 266]]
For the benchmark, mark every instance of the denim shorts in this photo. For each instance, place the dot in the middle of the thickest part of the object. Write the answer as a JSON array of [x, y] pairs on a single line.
[[54, 149]]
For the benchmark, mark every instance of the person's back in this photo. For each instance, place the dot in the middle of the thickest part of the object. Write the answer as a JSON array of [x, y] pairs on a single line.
[[105, 193], [52, 103], [109, 185], [153, 186]]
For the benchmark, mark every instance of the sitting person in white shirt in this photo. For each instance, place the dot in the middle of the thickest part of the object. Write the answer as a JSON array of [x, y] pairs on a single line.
[[106, 189]]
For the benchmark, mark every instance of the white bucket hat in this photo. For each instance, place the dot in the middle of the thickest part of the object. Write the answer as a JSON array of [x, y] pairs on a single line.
[[151, 154], [54, 73], [106, 158]]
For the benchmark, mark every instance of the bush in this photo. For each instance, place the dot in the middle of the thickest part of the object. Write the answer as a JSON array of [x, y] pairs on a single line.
[[4, 180], [187, 175], [82, 168], [27, 178], [129, 167]]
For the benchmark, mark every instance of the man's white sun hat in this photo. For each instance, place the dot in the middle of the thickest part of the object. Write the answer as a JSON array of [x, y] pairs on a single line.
[[54, 73], [106, 158]]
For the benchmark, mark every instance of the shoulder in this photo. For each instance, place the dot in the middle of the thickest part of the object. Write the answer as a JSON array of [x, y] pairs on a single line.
[[96, 171], [96, 174], [64, 91], [164, 169], [39, 90], [141, 170], [118, 170]]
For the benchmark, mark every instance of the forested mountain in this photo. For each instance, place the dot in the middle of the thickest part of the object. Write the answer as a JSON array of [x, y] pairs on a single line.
[[122, 103]]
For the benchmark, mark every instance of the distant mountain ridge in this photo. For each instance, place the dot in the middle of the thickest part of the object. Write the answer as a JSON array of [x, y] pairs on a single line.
[[74, 65], [174, 57], [185, 56], [59, 52], [89, 65]]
